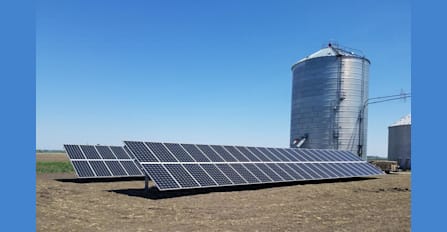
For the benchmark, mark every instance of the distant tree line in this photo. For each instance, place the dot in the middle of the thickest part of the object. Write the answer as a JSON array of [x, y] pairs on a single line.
[[49, 151]]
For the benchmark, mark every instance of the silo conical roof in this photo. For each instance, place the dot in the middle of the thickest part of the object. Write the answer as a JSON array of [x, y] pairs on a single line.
[[330, 50], [406, 120]]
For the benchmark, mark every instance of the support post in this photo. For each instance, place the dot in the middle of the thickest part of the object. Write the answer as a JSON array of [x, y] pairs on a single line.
[[146, 183]]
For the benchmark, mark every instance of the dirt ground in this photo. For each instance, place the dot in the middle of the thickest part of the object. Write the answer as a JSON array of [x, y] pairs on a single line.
[[47, 157], [363, 204]]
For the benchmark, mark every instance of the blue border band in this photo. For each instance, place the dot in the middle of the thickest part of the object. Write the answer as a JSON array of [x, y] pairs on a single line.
[[17, 120], [429, 138]]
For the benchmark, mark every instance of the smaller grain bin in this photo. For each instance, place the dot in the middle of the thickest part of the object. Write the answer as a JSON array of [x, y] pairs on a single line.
[[399, 142]]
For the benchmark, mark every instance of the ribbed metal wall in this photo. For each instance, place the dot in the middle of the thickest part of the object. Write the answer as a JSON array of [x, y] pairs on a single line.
[[328, 94], [399, 145]]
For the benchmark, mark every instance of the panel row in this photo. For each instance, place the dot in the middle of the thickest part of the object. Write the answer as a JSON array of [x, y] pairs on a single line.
[[96, 152], [172, 152], [181, 176], [106, 168], [102, 161]]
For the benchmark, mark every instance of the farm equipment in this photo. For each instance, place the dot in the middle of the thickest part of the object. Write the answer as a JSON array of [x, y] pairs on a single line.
[[386, 165]]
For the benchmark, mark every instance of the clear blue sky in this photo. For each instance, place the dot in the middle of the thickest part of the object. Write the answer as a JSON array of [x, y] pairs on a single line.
[[213, 72]]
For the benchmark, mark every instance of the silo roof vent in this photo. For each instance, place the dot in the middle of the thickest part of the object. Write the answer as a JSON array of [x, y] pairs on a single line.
[[403, 121]]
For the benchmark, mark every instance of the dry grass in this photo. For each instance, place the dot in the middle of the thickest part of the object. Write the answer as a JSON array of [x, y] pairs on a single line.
[[51, 157]]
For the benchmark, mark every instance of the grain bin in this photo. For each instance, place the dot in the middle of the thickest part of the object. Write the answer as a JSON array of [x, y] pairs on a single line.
[[330, 88], [399, 142]]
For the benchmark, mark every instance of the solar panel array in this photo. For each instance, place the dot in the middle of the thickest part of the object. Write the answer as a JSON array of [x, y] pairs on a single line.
[[102, 161], [185, 166]]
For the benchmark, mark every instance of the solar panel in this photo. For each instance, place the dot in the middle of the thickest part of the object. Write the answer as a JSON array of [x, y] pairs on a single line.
[[233, 175], [296, 167], [269, 172], [105, 152], [286, 153], [210, 153], [141, 152], [131, 168], [74, 152], [295, 175], [227, 156], [120, 153], [250, 156], [200, 175], [244, 173], [183, 166], [195, 153], [283, 174], [116, 168], [258, 173], [100, 168], [217, 175], [102, 161], [180, 152], [181, 175], [276, 153], [161, 152], [90, 152], [83, 169], [162, 178]]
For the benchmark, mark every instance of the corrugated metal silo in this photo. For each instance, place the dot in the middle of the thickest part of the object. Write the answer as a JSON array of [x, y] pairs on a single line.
[[399, 142], [330, 88]]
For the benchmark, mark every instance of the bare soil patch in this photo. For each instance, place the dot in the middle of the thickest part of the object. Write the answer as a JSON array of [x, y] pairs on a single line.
[[369, 204], [51, 157]]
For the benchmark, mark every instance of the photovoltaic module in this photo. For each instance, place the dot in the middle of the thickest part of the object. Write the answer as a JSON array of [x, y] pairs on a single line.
[[102, 161]]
